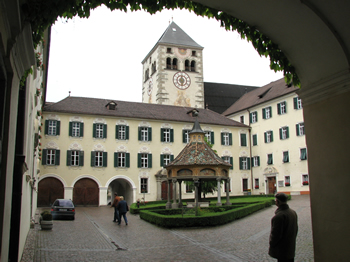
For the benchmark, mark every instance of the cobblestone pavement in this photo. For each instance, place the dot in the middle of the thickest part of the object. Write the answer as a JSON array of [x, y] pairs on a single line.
[[92, 236]]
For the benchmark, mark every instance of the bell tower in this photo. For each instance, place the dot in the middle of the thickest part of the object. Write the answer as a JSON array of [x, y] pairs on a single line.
[[173, 71]]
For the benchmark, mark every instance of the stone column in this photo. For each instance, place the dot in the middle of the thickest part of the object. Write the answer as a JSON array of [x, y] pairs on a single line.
[[159, 187], [219, 192], [103, 196], [168, 204], [174, 204], [196, 184], [228, 203], [180, 193]]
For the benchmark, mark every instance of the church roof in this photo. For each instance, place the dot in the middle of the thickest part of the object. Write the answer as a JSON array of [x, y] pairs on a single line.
[[175, 35], [219, 97], [261, 95], [96, 106]]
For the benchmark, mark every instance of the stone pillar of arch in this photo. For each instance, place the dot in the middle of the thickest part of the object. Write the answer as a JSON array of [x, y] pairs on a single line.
[[180, 199], [168, 204], [228, 203], [68, 192], [219, 192], [103, 196], [174, 204]]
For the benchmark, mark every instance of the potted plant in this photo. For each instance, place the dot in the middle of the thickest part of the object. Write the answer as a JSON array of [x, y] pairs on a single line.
[[256, 187], [305, 183], [287, 184], [46, 220]]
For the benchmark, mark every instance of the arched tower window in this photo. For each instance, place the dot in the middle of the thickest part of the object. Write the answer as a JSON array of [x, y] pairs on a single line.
[[175, 63], [187, 65], [146, 74], [168, 63], [193, 65]]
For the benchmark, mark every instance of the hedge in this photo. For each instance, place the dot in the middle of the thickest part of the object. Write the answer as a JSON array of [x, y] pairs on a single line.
[[174, 216]]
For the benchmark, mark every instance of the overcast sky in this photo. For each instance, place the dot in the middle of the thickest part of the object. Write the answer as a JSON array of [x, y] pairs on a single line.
[[101, 56]]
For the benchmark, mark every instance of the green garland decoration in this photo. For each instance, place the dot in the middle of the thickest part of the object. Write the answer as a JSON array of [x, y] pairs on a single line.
[[43, 13]]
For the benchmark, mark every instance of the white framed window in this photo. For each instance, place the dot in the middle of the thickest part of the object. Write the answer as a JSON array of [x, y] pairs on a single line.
[[269, 136], [121, 159], [167, 135], [98, 158], [50, 156], [300, 129], [297, 103], [282, 108], [241, 119], [269, 159], [253, 117], [99, 130], [267, 112], [256, 161], [166, 159], [144, 133], [285, 157], [185, 136], [52, 128], [144, 185], [74, 158], [75, 129], [226, 139], [208, 136], [303, 154], [305, 179], [244, 163], [287, 180], [284, 132], [122, 132], [256, 183], [144, 160]]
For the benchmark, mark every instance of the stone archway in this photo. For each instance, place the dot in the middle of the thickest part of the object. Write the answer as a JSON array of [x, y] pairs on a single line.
[[49, 189], [123, 188], [86, 193]]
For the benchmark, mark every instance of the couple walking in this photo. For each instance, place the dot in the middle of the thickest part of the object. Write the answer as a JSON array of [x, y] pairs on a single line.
[[120, 209]]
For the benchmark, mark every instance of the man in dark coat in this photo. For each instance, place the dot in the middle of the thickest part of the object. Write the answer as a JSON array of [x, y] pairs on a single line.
[[284, 229], [114, 204], [122, 208]]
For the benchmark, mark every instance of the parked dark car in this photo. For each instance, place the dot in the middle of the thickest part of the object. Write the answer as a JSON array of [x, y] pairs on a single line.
[[63, 208]]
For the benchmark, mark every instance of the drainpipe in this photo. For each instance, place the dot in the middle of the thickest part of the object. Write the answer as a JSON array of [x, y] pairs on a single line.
[[250, 154]]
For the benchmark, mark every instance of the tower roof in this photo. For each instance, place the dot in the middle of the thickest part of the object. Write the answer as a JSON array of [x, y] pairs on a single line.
[[175, 35]]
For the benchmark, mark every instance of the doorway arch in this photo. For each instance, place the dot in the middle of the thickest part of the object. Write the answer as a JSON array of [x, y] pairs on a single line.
[[49, 189], [86, 192], [123, 186]]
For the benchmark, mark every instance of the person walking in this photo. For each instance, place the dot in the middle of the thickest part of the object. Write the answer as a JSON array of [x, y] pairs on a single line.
[[114, 204], [122, 208], [284, 229]]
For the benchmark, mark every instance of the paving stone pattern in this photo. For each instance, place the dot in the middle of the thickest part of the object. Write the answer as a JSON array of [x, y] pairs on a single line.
[[92, 236]]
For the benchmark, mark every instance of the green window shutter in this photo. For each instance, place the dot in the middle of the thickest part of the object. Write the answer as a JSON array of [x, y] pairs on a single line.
[[43, 162], [231, 162], [240, 163], [285, 107], [139, 160], [104, 131], [58, 127], [287, 133], [184, 136], [127, 159], [297, 127], [264, 113], [303, 155], [161, 160], [248, 163], [171, 158], [265, 137], [139, 133], [81, 158], [70, 129], [46, 127], [69, 156], [243, 140], [162, 135], [92, 158], [255, 140], [116, 131], [295, 99], [256, 116], [149, 160], [94, 130], [81, 129], [270, 111], [250, 117], [115, 159], [230, 139], [212, 137], [171, 135], [104, 159], [222, 138], [279, 108], [271, 136], [150, 134], [281, 133], [127, 132], [258, 160], [57, 157]]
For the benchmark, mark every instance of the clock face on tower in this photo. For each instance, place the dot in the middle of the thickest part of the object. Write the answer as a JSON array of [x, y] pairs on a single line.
[[182, 80]]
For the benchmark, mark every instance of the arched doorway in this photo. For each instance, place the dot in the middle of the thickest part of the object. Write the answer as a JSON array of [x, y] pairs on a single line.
[[123, 188], [86, 193], [49, 189], [165, 190]]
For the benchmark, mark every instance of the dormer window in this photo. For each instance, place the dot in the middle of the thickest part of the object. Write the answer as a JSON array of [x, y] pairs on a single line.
[[193, 112], [111, 105]]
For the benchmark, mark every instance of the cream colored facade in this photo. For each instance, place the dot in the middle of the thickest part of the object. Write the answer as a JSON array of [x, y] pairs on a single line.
[[268, 177], [126, 180]]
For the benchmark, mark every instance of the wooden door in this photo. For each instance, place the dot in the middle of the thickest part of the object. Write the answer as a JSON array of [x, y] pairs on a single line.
[[49, 189], [165, 190], [272, 185], [86, 193]]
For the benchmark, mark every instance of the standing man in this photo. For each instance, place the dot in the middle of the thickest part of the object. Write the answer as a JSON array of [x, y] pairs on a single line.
[[123, 208], [114, 204], [284, 229]]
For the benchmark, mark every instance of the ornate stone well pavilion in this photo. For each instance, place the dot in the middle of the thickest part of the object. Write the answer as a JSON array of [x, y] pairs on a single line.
[[196, 162]]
